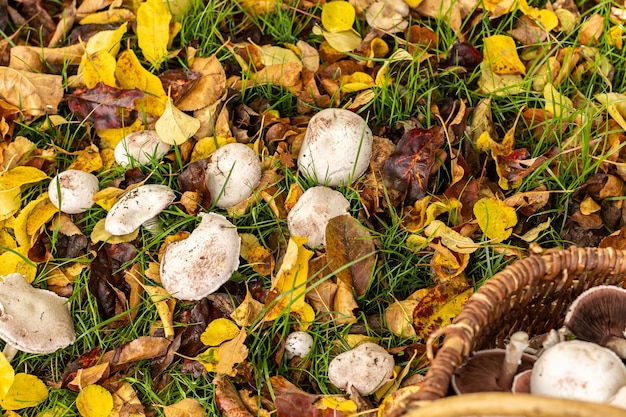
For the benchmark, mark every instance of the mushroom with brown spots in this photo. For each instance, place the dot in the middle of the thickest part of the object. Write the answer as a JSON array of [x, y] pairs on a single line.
[[139, 206], [140, 148], [311, 213], [72, 191], [365, 368], [598, 315], [197, 266], [32, 320]]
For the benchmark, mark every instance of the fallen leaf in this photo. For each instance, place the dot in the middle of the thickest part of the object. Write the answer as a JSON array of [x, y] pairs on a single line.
[[501, 55], [591, 30], [130, 74], [175, 127], [338, 16], [153, 22], [209, 88], [228, 399], [248, 311], [144, 347], [187, 407], [25, 391], [399, 318], [219, 331], [344, 41], [451, 239], [94, 401], [495, 218], [126, 403], [7, 375], [164, 304]]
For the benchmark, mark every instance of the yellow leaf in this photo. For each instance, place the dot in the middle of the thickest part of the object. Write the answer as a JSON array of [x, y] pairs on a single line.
[[338, 16], [9, 202], [616, 106], [26, 391], [440, 305], [99, 234], [17, 90], [341, 404], [164, 304], [451, 239], [21, 222], [17, 260], [130, 74], [209, 359], [175, 127], [20, 175], [533, 234], [247, 312], [94, 401], [88, 160], [547, 18], [356, 81], [219, 331], [615, 36], [41, 215], [495, 218], [98, 67], [501, 55], [206, 146], [289, 285], [556, 103], [499, 85], [187, 407], [344, 41], [153, 22], [107, 197], [106, 40], [110, 16], [7, 375], [111, 137]]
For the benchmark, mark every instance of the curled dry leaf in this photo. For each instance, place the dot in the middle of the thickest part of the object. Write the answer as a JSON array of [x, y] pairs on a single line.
[[187, 407], [209, 88], [175, 127]]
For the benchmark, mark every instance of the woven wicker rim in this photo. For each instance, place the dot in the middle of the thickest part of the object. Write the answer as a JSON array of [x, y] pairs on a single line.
[[532, 294]]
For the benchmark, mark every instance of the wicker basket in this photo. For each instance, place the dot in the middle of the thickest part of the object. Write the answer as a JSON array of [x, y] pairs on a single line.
[[532, 295]]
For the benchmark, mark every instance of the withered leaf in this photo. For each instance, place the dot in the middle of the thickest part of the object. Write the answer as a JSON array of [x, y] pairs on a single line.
[[178, 82], [144, 347], [193, 179], [106, 107], [407, 170], [196, 321], [228, 399], [106, 279]]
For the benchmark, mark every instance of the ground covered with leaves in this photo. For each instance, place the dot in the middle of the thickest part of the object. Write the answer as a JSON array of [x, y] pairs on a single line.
[[497, 131]]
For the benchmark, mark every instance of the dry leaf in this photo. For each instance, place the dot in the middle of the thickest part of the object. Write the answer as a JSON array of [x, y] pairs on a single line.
[[187, 407], [94, 401], [131, 74], [219, 331], [25, 391], [208, 89], [338, 16], [451, 239], [153, 23], [495, 218], [248, 311], [399, 318], [175, 127], [501, 55]]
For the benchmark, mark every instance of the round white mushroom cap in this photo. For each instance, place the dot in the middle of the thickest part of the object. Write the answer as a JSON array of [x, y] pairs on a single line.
[[136, 207], [232, 174], [578, 370], [365, 368], [298, 345], [388, 15], [337, 147], [311, 213], [77, 190], [140, 147], [197, 266], [33, 320]]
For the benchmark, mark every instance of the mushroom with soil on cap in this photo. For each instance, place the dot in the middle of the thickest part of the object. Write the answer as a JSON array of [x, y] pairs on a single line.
[[139, 206], [32, 320], [578, 370], [598, 315], [493, 370], [197, 266], [298, 344], [232, 174], [311, 213], [140, 148], [72, 191], [365, 368], [337, 147], [388, 15]]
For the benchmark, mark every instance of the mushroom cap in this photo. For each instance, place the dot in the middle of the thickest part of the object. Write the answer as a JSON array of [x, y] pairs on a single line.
[[33, 320], [597, 314], [77, 191], [141, 147], [136, 207], [298, 344], [365, 368], [311, 213], [232, 174], [578, 370], [388, 15], [481, 371], [197, 266], [337, 147]]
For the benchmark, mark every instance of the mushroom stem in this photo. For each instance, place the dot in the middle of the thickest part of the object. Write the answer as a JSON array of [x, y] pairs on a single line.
[[512, 359], [153, 225], [9, 351], [616, 344]]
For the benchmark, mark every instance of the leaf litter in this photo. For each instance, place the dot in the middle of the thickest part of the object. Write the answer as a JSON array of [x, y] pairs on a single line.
[[453, 179]]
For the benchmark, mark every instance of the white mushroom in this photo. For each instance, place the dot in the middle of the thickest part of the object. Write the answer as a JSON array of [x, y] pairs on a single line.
[[138, 207], [76, 188], [578, 370], [365, 368], [337, 147], [198, 265], [140, 147], [388, 15], [311, 213], [32, 320], [232, 174], [298, 345]]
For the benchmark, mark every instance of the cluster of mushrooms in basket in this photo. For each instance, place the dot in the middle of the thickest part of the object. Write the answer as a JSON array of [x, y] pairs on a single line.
[[582, 361]]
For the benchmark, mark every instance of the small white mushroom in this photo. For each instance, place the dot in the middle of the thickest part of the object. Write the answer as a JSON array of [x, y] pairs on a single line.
[[138, 207], [578, 370], [76, 188], [298, 345], [311, 213], [388, 15], [32, 320], [232, 174], [365, 368], [337, 147], [198, 265], [140, 147]]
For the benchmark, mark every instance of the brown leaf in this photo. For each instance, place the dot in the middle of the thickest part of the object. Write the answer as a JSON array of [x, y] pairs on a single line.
[[349, 243], [187, 407], [209, 88], [408, 169], [144, 347], [228, 399], [178, 82], [193, 179]]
